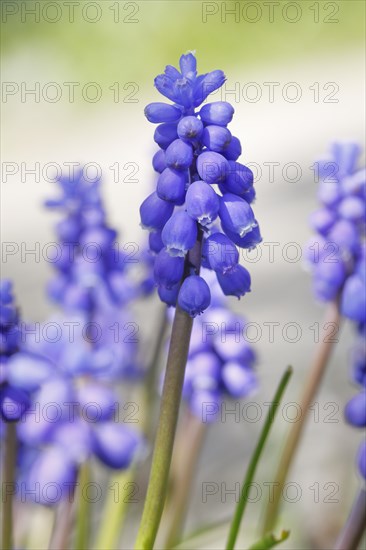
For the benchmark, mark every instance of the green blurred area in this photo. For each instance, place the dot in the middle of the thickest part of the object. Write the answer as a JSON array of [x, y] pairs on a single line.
[[134, 39]]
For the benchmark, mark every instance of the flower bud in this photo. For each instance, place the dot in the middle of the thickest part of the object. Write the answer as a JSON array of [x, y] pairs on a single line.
[[155, 242], [53, 472], [322, 220], [239, 179], [202, 202], [352, 209], [168, 270], [155, 212], [328, 278], [158, 161], [162, 112], [212, 167], [203, 372], [238, 379], [165, 134], [102, 397], [355, 411], [329, 192], [28, 371], [236, 215], [188, 65], [115, 445], [216, 138], [235, 282], [220, 252], [179, 234], [194, 295], [169, 295], [344, 236], [179, 155], [190, 128], [353, 304], [171, 186], [206, 85], [218, 112], [250, 239], [233, 150], [13, 403]]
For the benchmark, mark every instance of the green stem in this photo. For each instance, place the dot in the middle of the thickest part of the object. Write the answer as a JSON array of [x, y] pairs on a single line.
[[114, 511], [235, 525], [351, 535], [8, 485], [184, 466], [321, 359], [83, 510], [169, 411]]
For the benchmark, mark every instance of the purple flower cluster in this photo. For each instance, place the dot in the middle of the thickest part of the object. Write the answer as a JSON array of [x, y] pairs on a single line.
[[69, 421], [94, 286], [220, 362], [202, 192], [338, 257], [74, 414], [337, 253], [91, 269], [14, 399], [66, 369]]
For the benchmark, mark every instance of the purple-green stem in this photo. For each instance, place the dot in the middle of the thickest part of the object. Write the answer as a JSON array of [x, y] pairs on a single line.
[[184, 466], [169, 411], [351, 535], [63, 524], [75, 505], [8, 482], [321, 360]]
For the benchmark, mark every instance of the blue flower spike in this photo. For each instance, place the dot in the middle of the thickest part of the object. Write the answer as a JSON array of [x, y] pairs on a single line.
[[202, 194], [338, 265]]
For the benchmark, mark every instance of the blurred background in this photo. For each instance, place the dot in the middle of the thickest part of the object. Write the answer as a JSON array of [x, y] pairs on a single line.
[[75, 79]]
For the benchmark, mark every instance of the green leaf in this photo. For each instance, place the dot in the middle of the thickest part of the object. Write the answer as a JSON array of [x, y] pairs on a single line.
[[269, 541], [249, 476], [208, 529]]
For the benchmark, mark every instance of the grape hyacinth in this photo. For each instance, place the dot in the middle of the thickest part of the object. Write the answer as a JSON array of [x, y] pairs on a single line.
[[338, 258], [91, 266], [335, 257], [90, 346], [94, 286], [337, 253], [201, 191], [203, 194]]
